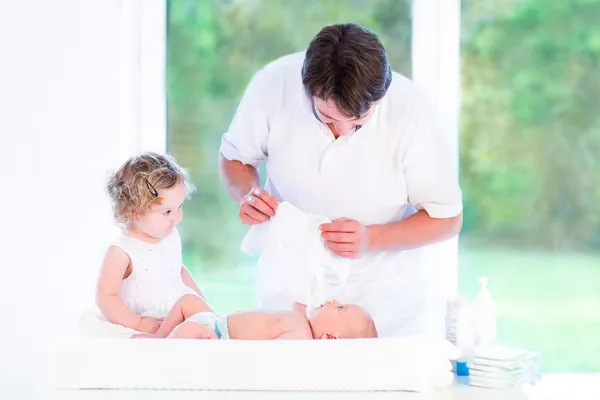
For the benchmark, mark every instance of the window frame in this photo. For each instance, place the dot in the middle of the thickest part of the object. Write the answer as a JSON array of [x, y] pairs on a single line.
[[143, 96], [436, 36]]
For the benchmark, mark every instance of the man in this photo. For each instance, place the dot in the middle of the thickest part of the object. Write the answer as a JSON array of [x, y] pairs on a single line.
[[345, 137]]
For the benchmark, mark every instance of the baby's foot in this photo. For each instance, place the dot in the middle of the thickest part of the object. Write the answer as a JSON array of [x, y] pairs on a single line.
[[144, 336]]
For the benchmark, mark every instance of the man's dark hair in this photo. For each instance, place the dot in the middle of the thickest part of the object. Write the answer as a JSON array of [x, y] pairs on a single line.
[[348, 65]]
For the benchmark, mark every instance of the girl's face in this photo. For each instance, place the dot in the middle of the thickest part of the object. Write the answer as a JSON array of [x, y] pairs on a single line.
[[159, 222]]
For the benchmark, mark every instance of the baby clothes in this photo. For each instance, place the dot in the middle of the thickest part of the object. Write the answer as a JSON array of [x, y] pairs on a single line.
[[294, 261], [155, 283], [214, 322]]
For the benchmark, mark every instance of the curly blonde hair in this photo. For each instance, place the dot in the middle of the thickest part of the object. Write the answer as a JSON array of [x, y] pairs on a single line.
[[133, 189]]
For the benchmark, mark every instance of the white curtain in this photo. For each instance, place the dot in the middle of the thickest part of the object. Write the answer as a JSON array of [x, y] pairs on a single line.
[[77, 92]]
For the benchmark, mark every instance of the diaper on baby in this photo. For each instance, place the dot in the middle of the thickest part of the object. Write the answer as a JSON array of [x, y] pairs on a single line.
[[212, 321]]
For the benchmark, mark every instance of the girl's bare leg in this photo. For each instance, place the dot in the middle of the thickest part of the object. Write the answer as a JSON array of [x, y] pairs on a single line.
[[185, 307]]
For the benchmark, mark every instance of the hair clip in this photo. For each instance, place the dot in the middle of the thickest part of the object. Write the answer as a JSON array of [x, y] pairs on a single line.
[[152, 189]]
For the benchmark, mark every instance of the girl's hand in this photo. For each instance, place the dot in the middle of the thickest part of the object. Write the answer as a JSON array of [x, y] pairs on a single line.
[[149, 325]]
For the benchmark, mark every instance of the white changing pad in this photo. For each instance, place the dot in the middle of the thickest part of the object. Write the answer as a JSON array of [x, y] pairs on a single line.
[[92, 324], [395, 364]]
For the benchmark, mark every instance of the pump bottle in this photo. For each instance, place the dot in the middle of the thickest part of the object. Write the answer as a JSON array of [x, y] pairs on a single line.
[[485, 315]]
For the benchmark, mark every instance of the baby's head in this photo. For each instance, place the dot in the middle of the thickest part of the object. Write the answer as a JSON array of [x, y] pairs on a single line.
[[334, 320], [147, 193]]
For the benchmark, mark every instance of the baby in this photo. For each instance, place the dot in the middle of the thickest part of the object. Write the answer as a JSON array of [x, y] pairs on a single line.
[[191, 318], [142, 276]]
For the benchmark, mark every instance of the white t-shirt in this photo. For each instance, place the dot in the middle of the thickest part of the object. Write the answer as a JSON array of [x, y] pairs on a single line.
[[398, 161]]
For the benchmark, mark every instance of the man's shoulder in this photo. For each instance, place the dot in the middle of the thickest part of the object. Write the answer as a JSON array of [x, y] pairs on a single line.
[[288, 66], [286, 62], [404, 94], [402, 87]]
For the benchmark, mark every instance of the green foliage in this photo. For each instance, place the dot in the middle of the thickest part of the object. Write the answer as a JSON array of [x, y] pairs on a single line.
[[530, 134], [530, 130]]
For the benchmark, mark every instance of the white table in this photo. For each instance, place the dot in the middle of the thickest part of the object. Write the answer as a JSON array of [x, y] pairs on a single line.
[[460, 391], [553, 386]]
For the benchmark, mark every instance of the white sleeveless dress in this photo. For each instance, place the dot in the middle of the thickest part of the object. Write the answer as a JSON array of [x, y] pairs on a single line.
[[155, 283]]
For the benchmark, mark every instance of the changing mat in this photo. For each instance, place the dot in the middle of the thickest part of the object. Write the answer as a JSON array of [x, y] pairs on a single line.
[[93, 324], [396, 364]]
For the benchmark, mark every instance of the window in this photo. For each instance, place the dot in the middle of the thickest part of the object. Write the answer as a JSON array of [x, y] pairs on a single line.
[[213, 49], [530, 140]]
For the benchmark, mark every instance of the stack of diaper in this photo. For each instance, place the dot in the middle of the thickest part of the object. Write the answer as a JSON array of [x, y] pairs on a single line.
[[498, 366]]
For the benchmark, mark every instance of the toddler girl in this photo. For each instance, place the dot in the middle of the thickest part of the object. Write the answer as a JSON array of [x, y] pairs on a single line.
[[143, 275]]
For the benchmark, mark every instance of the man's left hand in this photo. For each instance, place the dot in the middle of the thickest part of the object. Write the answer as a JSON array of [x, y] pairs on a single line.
[[345, 237]]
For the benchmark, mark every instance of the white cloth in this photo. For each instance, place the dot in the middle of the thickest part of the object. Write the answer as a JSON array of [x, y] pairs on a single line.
[[294, 261], [397, 163], [155, 283]]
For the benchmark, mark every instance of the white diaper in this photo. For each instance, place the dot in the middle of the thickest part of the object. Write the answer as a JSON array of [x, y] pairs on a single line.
[[214, 322]]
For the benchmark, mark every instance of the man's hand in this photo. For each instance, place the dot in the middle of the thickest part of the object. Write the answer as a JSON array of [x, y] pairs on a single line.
[[149, 325], [346, 237], [257, 206]]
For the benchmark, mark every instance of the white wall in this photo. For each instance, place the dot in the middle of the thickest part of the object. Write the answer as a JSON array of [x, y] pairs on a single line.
[[59, 134]]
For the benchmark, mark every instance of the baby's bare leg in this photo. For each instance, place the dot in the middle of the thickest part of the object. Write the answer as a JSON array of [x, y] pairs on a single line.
[[185, 307], [192, 330]]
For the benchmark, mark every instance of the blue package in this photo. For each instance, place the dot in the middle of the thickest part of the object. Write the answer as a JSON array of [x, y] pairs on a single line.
[[462, 369]]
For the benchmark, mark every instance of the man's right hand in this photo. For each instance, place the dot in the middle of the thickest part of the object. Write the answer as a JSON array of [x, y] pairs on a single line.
[[257, 206]]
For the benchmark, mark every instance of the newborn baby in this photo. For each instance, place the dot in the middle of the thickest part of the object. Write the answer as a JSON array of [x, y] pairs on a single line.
[[191, 318]]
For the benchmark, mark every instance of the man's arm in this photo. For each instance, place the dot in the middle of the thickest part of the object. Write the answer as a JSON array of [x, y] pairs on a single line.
[[348, 238], [243, 185], [238, 178], [413, 232]]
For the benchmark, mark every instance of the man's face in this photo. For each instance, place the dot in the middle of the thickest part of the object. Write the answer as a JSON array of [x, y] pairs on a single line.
[[329, 114]]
